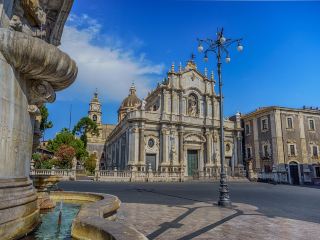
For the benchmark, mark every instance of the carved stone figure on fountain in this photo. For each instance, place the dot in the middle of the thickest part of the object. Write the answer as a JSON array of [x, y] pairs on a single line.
[[40, 18]]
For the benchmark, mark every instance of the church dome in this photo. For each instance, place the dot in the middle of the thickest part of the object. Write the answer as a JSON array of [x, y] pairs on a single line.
[[132, 101], [129, 103]]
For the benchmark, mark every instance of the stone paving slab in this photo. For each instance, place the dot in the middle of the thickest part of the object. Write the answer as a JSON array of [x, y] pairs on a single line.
[[200, 220]]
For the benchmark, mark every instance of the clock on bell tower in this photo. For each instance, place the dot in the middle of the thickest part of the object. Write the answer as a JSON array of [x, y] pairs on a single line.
[[95, 109]]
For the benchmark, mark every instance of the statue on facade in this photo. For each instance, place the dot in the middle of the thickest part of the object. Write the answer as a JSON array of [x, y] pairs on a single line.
[[192, 106], [143, 104]]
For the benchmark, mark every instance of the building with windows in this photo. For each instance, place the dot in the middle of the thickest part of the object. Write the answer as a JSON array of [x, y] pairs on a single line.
[[282, 144], [175, 129]]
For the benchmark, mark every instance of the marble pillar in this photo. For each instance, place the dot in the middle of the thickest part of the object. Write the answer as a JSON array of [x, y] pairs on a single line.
[[181, 153], [209, 150], [134, 147], [165, 148], [32, 69], [142, 153]]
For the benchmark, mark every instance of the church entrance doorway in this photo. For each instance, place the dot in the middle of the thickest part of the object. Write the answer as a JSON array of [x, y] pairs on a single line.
[[294, 173], [192, 162], [151, 161]]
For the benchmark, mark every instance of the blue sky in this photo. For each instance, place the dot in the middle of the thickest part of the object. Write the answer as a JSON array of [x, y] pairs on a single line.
[[117, 42]]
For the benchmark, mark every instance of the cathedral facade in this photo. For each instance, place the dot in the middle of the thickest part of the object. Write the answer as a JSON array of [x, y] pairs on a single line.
[[174, 129]]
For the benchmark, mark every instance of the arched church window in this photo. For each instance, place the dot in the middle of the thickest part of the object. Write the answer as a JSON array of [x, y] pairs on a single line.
[[193, 105], [94, 118]]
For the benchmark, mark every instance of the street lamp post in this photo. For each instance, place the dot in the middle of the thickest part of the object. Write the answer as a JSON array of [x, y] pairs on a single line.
[[220, 46]]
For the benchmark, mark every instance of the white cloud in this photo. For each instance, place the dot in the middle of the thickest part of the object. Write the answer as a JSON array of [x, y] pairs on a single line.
[[109, 67]]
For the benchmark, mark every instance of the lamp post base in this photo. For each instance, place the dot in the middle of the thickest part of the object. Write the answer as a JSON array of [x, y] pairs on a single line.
[[224, 203], [224, 198]]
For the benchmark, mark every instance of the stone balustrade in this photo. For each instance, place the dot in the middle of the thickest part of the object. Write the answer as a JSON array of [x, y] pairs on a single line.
[[137, 176], [65, 174], [132, 176], [157, 176]]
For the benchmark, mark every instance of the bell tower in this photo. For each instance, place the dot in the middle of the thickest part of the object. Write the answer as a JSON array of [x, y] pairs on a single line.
[[94, 112]]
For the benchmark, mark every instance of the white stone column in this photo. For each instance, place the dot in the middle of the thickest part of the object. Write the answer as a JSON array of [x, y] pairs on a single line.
[[142, 154], [127, 149], [134, 145], [181, 153], [217, 149], [180, 103], [207, 106], [208, 147], [120, 154], [235, 150], [165, 101], [212, 108], [174, 103], [239, 149], [165, 146], [184, 105], [201, 159]]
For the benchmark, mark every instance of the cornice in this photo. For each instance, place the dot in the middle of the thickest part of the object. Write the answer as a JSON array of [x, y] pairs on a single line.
[[269, 109]]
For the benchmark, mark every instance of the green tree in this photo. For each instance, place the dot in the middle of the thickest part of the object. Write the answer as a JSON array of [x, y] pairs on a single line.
[[42, 161], [45, 123], [85, 126], [90, 163], [65, 137]]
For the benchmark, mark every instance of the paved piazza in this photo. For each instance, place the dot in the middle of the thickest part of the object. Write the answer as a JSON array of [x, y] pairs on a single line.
[[188, 211]]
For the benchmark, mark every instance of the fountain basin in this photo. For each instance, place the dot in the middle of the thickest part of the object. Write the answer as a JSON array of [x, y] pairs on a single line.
[[54, 227], [43, 183], [97, 217]]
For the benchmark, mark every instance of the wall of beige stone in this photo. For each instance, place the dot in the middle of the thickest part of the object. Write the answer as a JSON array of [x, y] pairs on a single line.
[[282, 136]]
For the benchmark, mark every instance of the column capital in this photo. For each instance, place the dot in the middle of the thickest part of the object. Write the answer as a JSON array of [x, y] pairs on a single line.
[[208, 131], [134, 130], [142, 126], [165, 131]]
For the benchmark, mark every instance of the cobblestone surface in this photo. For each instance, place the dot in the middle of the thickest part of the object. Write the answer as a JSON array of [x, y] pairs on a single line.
[[205, 221], [187, 211]]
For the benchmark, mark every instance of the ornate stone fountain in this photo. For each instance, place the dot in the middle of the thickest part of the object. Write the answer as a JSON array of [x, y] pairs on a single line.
[[32, 69]]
